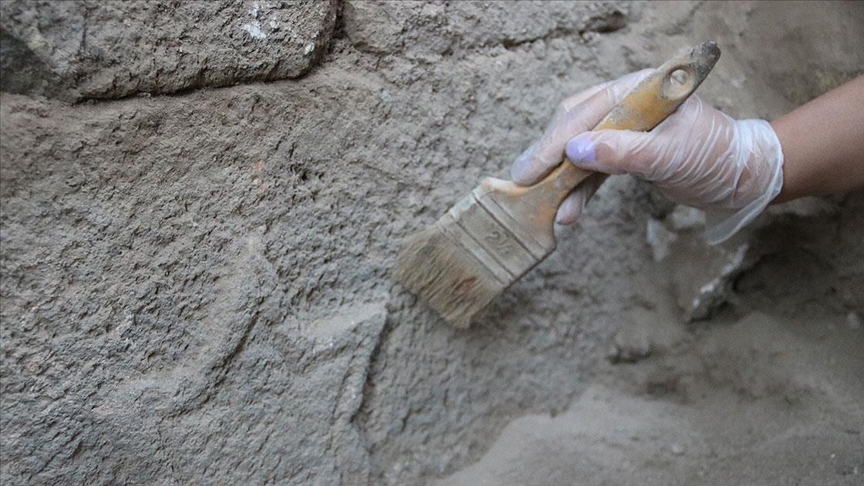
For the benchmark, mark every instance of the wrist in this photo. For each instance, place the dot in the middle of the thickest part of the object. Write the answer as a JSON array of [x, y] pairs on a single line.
[[791, 165], [760, 179]]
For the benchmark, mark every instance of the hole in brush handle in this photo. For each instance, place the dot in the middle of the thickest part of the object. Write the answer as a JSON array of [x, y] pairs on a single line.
[[679, 82]]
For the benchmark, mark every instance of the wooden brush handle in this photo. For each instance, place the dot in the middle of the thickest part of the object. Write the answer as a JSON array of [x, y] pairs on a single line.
[[642, 109]]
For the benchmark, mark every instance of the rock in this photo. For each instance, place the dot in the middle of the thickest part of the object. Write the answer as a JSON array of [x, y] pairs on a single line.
[[716, 292], [431, 29], [630, 345], [647, 332], [659, 239], [686, 218], [77, 50]]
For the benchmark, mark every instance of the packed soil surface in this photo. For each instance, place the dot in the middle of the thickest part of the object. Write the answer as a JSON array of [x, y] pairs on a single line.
[[201, 205]]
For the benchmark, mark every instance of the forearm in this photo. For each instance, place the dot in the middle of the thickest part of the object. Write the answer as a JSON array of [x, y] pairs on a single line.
[[823, 144]]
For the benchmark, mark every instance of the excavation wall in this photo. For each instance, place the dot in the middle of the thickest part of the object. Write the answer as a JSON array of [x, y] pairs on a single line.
[[202, 203]]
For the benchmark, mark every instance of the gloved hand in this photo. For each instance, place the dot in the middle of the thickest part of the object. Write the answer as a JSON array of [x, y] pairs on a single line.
[[574, 115], [698, 156]]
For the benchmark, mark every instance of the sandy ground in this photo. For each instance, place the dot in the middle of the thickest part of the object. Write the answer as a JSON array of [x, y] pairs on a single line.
[[756, 401]]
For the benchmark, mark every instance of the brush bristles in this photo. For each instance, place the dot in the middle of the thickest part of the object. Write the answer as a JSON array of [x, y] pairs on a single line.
[[445, 276]]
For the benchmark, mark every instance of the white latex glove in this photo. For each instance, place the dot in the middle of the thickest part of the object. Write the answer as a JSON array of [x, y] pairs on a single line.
[[574, 115], [699, 156]]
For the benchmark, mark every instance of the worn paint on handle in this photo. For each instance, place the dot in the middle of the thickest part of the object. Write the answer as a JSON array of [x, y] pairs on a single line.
[[642, 109]]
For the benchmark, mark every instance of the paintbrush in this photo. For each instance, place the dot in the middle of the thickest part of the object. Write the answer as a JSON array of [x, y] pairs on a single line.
[[501, 230]]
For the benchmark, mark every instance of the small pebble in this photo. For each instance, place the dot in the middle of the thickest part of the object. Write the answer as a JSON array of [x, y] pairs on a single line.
[[677, 450], [686, 218]]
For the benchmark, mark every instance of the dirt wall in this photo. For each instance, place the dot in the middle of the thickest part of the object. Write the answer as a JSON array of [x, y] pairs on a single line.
[[196, 285]]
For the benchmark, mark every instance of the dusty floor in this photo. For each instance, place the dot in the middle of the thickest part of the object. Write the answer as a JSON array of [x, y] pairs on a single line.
[[196, 263], [768, 399]]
